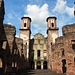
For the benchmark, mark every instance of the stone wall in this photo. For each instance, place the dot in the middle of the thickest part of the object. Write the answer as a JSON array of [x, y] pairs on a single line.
[[17, 53], [8, 36], [63, 52], [68, 29]]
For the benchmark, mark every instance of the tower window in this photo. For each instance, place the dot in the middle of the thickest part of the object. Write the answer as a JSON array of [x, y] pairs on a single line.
[[24, 24], [52, 24]]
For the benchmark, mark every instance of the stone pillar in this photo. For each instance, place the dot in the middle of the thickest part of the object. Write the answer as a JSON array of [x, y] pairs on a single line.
[[35, 65], [42, 65]]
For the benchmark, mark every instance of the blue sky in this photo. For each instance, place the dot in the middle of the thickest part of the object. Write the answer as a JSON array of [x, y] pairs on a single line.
[[39, 10]]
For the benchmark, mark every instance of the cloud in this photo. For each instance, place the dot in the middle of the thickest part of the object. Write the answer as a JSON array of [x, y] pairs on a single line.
[[69, 11], [17, 35], [10, 15], [62, 8], [38, 14]]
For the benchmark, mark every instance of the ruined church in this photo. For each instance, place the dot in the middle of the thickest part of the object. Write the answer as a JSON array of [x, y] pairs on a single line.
[[53, 52]]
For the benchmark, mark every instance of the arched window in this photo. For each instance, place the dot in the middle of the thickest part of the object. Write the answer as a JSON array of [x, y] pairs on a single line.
[[24, 24], [38, 65], [45, 65], [52, 24]]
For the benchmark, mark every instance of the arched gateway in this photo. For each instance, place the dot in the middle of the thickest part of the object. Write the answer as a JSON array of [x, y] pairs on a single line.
[[38, 65], [45, 65]]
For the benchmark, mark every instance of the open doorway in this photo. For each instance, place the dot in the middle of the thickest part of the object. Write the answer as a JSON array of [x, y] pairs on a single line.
[[32, 64], [64, 66], [45, 65], [38, 65]]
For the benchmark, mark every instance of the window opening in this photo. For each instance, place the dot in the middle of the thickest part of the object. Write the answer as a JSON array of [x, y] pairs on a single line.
[[38, 53], [73, 45], [24, 24], [51, 43], [52, 24], [62, 52]]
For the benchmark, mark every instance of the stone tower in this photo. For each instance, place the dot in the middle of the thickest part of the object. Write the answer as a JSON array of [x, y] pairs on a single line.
[[52, 33], [25, 35]]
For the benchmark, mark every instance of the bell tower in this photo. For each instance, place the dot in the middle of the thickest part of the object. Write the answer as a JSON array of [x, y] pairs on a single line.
[[25, 33], [52, 33], [52, 30]]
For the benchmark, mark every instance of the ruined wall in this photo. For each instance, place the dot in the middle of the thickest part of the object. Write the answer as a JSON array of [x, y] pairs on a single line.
[[63, 51], [18, 51], [68, 29], [8, 36]]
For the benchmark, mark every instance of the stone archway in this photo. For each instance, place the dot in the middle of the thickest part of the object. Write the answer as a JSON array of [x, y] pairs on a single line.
[[45, 65], [38, 65], [64, 66]]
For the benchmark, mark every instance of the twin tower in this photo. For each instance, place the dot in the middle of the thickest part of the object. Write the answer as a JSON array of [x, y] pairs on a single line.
[[25, 32]]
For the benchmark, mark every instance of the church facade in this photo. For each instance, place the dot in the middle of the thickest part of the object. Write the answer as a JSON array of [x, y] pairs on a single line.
[[39, 52], [39, 45]]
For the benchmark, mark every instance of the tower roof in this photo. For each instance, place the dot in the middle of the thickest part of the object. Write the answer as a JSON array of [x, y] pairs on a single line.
[[50, 17], [26, 17]]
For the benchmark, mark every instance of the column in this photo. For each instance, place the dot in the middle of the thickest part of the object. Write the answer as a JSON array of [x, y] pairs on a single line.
[[41, 64], [35, 65]]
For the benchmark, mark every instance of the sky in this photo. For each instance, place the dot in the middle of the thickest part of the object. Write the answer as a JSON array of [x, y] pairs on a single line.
[[39, 11]]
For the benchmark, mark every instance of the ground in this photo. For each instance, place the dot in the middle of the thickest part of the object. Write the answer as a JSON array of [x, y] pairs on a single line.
[[35, 72]]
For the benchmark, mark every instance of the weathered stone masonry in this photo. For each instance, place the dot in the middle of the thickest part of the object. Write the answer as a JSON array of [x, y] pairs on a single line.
[[63, 51]]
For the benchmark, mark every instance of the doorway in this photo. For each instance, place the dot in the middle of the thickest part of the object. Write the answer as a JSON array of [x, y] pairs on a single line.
[[45, 65], [64, 66], [38, 65], [32, 64]]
